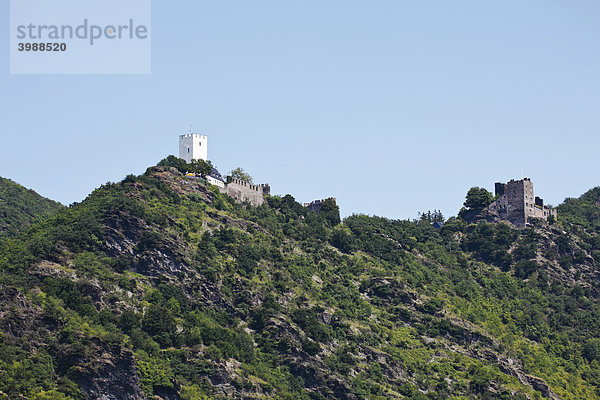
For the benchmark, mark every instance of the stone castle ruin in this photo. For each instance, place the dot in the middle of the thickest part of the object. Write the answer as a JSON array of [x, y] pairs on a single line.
[[315, 206], [515, 202]]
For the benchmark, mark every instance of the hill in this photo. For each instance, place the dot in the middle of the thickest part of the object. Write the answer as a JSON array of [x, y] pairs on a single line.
[[161, 287], [19, 207]]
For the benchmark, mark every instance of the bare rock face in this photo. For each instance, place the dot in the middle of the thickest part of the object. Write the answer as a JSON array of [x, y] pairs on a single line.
[[50, 269], [542, 387], [485, 215], [183, 185], [109, 374], [18, 317]]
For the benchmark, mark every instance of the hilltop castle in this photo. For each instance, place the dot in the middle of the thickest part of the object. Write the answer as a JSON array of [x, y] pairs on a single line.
[[516, 203], [193, 146]]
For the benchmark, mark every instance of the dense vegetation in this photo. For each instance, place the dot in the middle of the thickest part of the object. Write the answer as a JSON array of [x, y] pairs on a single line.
[[19, 207], [584, 211], [161, 286]]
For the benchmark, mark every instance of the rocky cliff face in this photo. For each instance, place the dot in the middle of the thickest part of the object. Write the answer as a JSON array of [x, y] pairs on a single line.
[[108, 372]]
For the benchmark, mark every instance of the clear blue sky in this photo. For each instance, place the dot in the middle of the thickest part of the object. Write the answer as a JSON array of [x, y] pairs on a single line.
[[393, 107]]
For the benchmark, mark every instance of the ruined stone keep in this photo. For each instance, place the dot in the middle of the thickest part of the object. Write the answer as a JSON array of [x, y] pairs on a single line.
[[515, 202]]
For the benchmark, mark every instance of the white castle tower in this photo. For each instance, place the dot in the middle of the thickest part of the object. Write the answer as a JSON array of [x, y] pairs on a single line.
[[193, 146]]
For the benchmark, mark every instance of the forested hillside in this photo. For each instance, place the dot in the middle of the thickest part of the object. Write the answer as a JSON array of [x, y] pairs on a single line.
[[584, 211], [19, 207], [161, 287]]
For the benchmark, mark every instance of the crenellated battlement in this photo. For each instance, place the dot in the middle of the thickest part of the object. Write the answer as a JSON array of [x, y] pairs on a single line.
[[243, 191], [190, 135], [240, 182]]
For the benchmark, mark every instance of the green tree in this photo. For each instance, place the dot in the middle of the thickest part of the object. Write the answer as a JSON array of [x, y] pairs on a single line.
[[431, 216], [591, 349], [330, 212], [240, 174], [50, 395], [177, 163], [344, 241], [478, 198], [159, 322], [200, 167]]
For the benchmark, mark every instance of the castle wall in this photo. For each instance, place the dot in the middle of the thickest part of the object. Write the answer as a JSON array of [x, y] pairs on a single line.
[[193, 146], [245, 192], [542, 212]]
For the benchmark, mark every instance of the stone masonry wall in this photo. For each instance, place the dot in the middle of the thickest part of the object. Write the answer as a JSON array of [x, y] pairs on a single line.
[[245, 192]]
